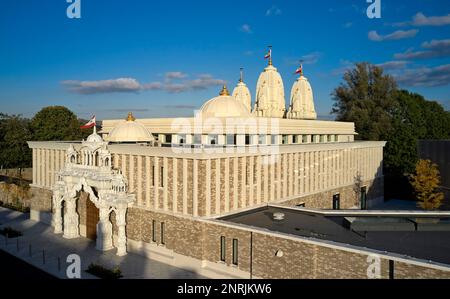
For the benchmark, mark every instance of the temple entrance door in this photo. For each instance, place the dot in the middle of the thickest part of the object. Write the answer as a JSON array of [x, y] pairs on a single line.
[[92, 218]]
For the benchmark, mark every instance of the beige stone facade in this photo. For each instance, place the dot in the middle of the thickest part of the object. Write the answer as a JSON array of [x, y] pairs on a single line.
[[215, 184]]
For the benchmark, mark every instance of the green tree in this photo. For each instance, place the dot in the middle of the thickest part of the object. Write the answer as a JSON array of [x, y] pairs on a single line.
[[382, 112], [366, 98], [425, 182], [56, 123], [14, 134]]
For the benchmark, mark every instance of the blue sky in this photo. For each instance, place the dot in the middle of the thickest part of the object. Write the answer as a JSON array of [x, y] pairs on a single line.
[[166, 58]]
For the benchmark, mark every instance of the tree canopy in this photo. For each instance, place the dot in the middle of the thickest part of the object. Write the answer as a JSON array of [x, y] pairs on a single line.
[[382, 112], [367, 98], [56, 123], [14, 133]]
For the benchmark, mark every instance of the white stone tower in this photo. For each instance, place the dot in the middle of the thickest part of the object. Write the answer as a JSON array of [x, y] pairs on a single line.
[[270, 100], [242, 93], [302, 101]]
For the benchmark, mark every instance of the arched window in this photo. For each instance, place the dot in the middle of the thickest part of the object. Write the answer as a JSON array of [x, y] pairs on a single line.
[[73, 159]]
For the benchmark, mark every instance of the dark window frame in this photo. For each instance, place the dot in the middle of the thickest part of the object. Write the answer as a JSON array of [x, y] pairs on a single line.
[[235, 252], [154, 231], [222, 249]]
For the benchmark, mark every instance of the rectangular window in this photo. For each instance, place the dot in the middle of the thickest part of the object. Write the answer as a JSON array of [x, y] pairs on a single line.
[[222, 249], [153, 230], [235, 251], [247, 139], [231, 139], [197, 139], [262, 139], [305, 139], [273, 139], [161, 177], [168, 138], [336, 138], [322, 138], [336, 201], [285, 139], [153, 175], [213, 139], [162, 233]]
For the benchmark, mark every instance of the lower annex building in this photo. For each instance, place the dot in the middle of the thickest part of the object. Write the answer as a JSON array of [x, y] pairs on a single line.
[[166, 188]]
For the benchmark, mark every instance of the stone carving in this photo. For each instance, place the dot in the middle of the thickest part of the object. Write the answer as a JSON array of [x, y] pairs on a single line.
[[89, 169]]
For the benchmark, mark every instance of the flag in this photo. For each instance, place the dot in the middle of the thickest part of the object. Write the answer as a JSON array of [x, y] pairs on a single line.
[[268, 55], [299, 70], [89, 124]]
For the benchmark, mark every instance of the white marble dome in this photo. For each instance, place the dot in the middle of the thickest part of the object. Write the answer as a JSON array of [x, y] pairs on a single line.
[[270, 100], [302, 100], [94, 137], [224, 106], [130, 131]]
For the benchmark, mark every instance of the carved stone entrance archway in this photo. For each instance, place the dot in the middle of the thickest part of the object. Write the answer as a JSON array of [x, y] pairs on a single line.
[[84, 170]]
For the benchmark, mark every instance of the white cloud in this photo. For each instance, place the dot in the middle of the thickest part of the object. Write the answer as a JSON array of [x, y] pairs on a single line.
[[393, 65], [103, 86], [310, 58], [420, 19], [175, 82], [273, 11], [246, 28], [347, 25], [175, 75], [425, 76], [399, 34], [432, 49]]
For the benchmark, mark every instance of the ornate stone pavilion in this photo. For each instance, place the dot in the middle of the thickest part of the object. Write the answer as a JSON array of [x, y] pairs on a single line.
[[90, 170]]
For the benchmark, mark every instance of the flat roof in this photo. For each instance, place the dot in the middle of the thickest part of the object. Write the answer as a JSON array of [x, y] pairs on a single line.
[[428, 240]]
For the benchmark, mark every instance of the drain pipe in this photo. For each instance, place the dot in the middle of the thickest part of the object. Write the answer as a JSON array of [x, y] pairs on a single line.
[[251, 255]]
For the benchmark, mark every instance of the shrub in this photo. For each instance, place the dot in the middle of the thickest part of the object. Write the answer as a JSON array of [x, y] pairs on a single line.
[[10, 232], [104, 273]]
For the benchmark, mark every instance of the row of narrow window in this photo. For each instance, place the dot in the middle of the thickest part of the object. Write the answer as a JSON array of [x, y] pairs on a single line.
[[234, 250], [232, 139]]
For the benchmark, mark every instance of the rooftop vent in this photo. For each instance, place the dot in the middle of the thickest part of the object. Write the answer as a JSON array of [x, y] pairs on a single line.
[[278, 216]]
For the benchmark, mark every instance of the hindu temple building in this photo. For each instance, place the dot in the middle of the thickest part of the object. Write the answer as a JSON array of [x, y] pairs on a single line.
[[177, 189]]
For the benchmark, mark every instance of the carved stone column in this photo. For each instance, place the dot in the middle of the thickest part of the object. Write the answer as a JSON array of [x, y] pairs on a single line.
[[122, 238], [104, 230], [57, 215], [71, 219]]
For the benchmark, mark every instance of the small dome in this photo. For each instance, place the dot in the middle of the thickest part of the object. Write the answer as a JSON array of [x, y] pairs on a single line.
[[224, 106], [94, 137], [130, 131]]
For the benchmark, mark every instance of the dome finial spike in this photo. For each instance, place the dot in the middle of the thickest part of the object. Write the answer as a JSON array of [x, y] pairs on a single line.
[[224, 91], [130, 117], [270, 55], [241, 78]]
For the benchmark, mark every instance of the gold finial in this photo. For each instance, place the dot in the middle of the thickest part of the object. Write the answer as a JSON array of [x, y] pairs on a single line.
[[224, 91], [131, 117], [241, 79]]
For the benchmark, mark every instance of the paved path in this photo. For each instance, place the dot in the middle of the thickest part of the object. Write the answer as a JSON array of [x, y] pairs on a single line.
[[45, 243]]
